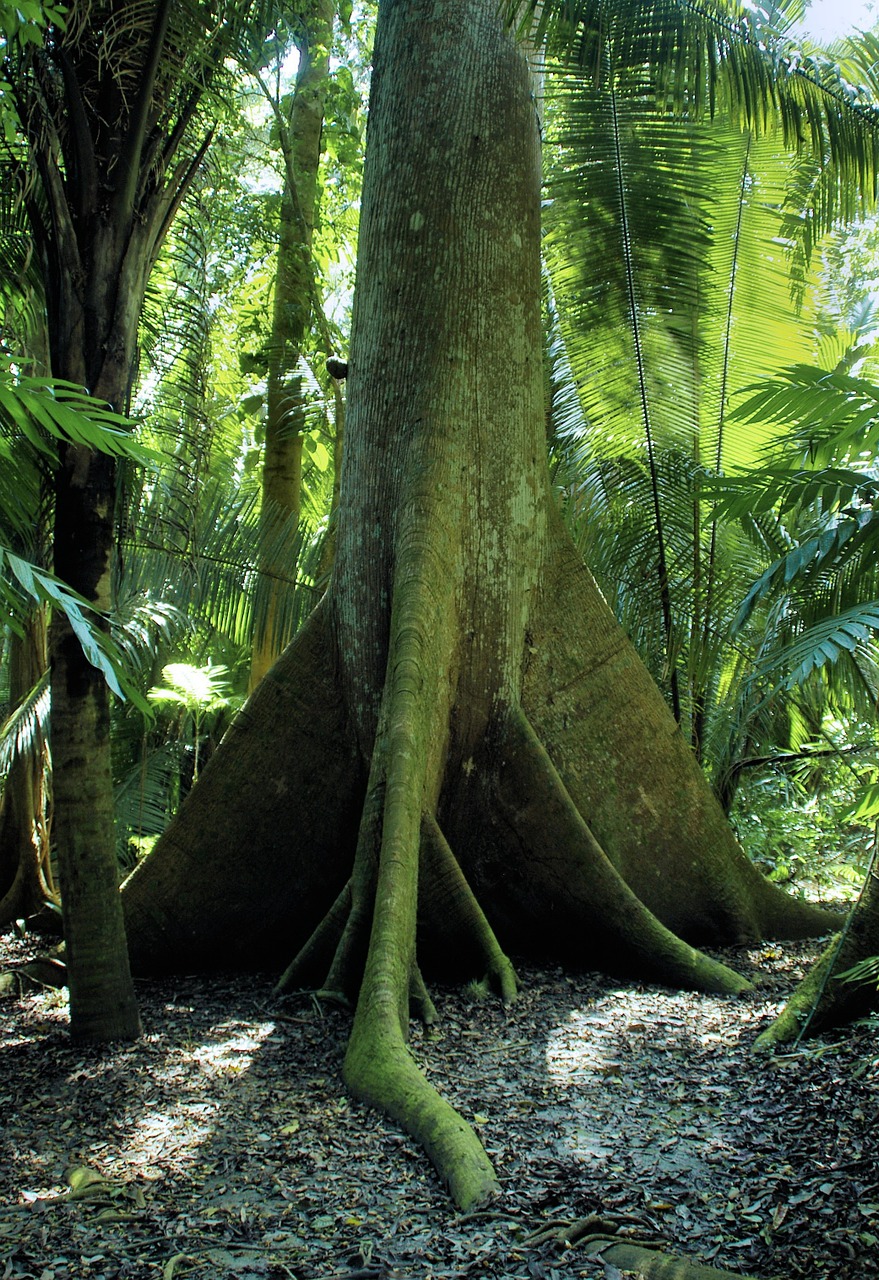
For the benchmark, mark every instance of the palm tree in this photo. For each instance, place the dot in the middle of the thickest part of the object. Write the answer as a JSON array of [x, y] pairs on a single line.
[[35, 415], [681, 252], [822, 593], [108, 109]]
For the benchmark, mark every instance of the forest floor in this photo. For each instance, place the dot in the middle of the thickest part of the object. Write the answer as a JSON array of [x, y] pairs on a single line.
[[222, 1145]]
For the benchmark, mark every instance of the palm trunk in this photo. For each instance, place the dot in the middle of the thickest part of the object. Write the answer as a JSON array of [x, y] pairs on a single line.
[[103, 1005], [93, 333], [107, 106]]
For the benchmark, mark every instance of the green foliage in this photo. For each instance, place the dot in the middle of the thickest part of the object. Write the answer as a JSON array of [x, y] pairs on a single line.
[[196, 690], [22, 27], [695, 161], [671, 238], [817, 495], [726, 59], [864, 972], [865, 804], [36, 414], [44, 409], [789, 819], [25, 21], [45, 588], [25, 724]]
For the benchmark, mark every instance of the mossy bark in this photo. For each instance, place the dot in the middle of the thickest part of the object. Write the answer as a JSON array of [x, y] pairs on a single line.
[[651, 1264], [825, 998], [103, 1004], [461, 756], [300, 137], [26, 882], [263, 844]]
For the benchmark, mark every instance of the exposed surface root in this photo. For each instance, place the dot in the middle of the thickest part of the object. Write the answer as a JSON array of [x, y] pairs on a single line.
[[572, 885], [647, 1259], [226, 1122], [317, 953], [650, 1264], [421, 1005], [36, 975], [387, 1076], [827, 997], [447, 899]]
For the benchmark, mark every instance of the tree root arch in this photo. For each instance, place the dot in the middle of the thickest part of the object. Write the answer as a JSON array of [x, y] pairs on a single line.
[[555, 869]]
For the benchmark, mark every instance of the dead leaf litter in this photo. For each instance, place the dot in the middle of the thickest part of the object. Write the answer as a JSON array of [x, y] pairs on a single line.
[[222, 1145]]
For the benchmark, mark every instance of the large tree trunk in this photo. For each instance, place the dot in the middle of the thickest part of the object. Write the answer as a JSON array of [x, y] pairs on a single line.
[[461, 754]]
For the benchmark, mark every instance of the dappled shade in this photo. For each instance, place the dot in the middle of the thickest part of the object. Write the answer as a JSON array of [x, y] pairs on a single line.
[[461, 756]]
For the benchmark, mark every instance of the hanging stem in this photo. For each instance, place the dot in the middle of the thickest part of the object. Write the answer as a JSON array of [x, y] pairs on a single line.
[[662, 560]]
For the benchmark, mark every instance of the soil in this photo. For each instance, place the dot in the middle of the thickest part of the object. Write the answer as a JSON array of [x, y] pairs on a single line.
[[223, 1145]]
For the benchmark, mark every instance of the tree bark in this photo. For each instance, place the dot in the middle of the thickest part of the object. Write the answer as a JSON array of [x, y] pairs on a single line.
[[291, 319], [469, 740], [26, 882], [93, 338], [103, 1004], [105, 106], [826, 997]]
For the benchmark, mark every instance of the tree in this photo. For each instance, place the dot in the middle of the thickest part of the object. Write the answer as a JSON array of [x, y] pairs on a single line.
[[460, 755], [298, 121], [824, 591], [107, 105], [35, 414]]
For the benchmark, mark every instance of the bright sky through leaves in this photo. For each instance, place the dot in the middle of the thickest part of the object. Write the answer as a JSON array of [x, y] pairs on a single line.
[[830, 19]]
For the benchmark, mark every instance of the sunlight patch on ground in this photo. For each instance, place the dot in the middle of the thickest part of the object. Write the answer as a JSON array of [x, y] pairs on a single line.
[[597, 1040], [234, 1054], [182, 1119], [594, 1059], [589, 1042]]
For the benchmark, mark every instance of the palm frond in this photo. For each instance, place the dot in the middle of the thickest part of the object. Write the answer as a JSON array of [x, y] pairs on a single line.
[[830, 416], [46, 409], [145, 797], [824, 644], [27, 724], [710, 58]]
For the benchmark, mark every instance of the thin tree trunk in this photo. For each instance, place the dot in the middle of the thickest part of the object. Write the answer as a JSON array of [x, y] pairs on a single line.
[[26, 882], [291, 320], [103, 1005], [93, 334], [107, 104]]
